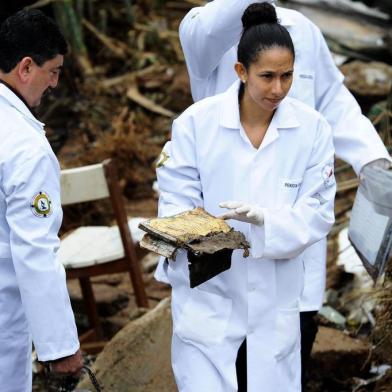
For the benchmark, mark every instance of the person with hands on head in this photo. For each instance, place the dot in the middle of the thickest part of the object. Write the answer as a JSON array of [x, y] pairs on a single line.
[[265, 161], [209, 37], [34, 301]]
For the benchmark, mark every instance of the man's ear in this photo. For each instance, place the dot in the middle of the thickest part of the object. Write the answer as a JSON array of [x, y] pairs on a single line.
[[241, 71], [24, 69]]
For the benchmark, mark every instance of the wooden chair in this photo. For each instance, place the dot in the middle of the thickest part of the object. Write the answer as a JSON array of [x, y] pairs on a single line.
[[97, 250]]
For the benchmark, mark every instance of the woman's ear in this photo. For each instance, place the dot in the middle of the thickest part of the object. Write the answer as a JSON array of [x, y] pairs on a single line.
[[241, 72]]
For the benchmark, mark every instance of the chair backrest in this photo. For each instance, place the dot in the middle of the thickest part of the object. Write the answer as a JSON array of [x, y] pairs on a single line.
[[94, 182], [85, 183]]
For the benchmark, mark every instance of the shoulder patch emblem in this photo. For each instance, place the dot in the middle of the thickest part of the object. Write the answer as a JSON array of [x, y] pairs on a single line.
[[328, 175], [41, 205]]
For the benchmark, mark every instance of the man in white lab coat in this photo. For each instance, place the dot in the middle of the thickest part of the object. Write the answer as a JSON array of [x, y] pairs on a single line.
[[209, 36], [34, 302]]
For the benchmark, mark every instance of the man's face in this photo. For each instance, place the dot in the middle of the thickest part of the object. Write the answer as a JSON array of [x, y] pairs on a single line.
[[41, 78]]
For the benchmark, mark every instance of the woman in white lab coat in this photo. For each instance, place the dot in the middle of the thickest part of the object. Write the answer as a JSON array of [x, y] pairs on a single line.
[[265, 161], [209, 37]]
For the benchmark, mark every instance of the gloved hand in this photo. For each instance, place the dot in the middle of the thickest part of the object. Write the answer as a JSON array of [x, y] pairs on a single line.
[[382, 163], [243, 212]]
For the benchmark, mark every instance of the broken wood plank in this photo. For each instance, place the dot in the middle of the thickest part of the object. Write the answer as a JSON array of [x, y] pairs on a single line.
[[196, 2], [42, 3], [161, 33], [134, 94], [119, 49], [130, 76]]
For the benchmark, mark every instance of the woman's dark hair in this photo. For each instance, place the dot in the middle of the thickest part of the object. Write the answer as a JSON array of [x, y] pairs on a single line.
[[261, 30], [29, 33]]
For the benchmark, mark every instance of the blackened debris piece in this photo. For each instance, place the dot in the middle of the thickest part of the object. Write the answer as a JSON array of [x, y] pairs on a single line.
[[208, 240]]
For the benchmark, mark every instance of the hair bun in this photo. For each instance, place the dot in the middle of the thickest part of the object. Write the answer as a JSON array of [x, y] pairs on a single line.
[[259, 13]]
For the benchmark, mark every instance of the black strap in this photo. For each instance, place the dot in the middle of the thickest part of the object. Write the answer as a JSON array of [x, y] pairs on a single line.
[[68, 383], [93, 379]]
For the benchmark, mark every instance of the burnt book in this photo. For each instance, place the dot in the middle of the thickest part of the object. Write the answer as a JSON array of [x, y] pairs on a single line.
[[209, 242]]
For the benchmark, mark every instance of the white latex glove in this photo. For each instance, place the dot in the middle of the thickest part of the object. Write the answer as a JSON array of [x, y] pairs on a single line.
[[243, 212], [382, 163]]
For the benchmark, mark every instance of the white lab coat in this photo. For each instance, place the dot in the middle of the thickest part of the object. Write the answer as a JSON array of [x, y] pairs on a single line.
[[212, 160], [34, 302], [209, 36]]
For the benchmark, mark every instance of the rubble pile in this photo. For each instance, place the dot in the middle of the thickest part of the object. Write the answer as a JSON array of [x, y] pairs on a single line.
[[123, 83], [382, 334]]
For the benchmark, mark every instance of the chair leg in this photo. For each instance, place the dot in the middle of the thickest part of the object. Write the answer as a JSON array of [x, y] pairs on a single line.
[[91, 306], [137, 282]]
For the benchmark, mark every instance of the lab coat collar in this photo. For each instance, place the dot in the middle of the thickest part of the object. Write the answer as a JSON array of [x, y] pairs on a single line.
[[19, 105], [229, 111], [285, 117]]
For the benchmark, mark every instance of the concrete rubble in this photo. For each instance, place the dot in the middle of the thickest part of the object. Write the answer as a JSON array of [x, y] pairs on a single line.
[[137, 359]]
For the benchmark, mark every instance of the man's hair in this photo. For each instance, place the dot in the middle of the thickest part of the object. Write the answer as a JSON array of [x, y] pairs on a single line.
[[29, 33]]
